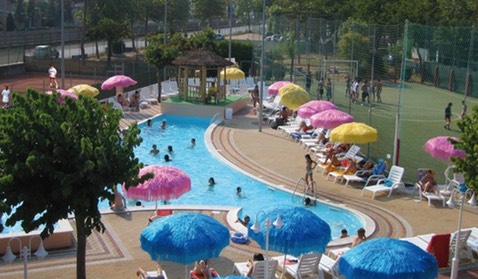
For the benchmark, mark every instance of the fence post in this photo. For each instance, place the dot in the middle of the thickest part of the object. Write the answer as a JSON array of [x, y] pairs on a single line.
[[396, 149]]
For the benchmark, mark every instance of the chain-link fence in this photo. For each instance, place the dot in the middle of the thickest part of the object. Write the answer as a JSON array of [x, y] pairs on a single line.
[[416, 69]]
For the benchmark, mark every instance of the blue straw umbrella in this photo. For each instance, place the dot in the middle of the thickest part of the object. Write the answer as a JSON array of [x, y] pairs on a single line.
[[388, 258], [302, 231], [184, 238]]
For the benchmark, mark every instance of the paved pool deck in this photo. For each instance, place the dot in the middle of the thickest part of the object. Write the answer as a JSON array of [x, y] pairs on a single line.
[[270, 156]]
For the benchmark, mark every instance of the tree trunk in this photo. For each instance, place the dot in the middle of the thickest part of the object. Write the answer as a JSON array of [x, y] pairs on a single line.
[[291, 68], [81, 247], [97, 49], [158, 74]]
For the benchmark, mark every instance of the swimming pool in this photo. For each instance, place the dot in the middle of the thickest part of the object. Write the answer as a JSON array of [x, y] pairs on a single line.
[[200, 164]]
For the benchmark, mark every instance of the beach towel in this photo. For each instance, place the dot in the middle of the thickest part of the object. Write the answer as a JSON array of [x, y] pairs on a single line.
[[439, 246]]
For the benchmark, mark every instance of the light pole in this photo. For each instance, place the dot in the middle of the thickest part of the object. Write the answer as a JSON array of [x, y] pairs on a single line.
[[62, 38], [230, 10], [256, 228], [263, 33], [455, 263], [24, 252]]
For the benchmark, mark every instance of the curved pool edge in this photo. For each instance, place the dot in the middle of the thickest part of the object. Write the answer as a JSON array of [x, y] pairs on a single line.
[[369, 223]]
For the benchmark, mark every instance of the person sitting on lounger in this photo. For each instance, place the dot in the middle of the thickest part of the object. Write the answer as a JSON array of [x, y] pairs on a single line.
[[144, 274], [332, 151], [250, 263], [202, 271], [428, 182], [302, 130], [350, 166]]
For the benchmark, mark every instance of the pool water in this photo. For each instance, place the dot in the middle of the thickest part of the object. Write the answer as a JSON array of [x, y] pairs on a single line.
[[200, 164]]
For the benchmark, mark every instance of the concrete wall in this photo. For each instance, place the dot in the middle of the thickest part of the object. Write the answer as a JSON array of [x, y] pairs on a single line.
[[201, 110]]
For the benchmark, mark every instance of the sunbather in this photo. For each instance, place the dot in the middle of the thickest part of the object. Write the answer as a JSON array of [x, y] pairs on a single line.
[[332, 151], [144, 274], [428, 182], [302, 130], [201, 270], [250, 263]]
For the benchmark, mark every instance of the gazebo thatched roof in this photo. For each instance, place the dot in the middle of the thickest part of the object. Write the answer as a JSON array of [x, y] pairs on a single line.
[[202, 57]]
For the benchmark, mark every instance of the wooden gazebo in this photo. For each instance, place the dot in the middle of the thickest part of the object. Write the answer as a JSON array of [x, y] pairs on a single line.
[[199, 61]]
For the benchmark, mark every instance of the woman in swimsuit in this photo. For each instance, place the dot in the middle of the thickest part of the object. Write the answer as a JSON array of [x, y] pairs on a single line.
[[309, 169]]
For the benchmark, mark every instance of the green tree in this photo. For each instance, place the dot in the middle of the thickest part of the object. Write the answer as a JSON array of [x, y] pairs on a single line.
[[160, 55], [109, 30], [10, 22], [30, 12], [469, 144], [207, 10], [20, 14], [58, 160]]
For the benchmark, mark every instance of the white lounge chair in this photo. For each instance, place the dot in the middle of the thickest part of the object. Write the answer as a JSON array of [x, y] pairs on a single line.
[[154, 274], [465, 251], [373, 175], [387, 185], [330, 266], [417, 241], [444, 190], [259, 269], [307, 266]]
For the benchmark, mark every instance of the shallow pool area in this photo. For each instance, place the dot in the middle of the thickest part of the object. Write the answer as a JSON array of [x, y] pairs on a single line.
[[200, 165]]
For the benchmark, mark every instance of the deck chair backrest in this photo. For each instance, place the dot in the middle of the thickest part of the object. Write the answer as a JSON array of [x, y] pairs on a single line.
[[464, 235], [353, 150], [395, 175], [259, 271], [308, 265]]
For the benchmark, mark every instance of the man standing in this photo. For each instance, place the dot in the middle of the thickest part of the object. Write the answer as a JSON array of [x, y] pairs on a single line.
[[52, 74], [308, 81], [320, 89], [448, 116]]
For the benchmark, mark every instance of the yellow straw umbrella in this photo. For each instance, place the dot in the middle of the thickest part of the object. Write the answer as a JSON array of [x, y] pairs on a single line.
[[85, 90], [354, 132], [232, 73], [293, 96]]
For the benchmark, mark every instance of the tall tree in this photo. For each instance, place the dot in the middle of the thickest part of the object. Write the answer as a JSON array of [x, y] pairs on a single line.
[[30, 13], [160, 55], [111, 31], [20, 14], [469, 144], [58, 160], [207, 10]]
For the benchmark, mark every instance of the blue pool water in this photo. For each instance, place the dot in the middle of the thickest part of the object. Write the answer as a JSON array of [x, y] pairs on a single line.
[[199, 164]]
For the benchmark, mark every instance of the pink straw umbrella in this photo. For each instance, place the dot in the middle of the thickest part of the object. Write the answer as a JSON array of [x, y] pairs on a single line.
[[440, 147], [63, 93], [274, 88], [118, 82], [312, 107], [167, 183], [330, 119]]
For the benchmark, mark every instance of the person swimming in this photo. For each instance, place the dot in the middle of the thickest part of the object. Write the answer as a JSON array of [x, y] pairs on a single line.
[[163, 124], [170, 149], [309, 202], [167, 158], [149, 123], [239, 191], [211, 181], [193, 142], [155, 150]]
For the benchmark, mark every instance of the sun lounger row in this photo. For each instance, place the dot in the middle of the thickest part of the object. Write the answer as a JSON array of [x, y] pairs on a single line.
[[442, 246], [307, 266]]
